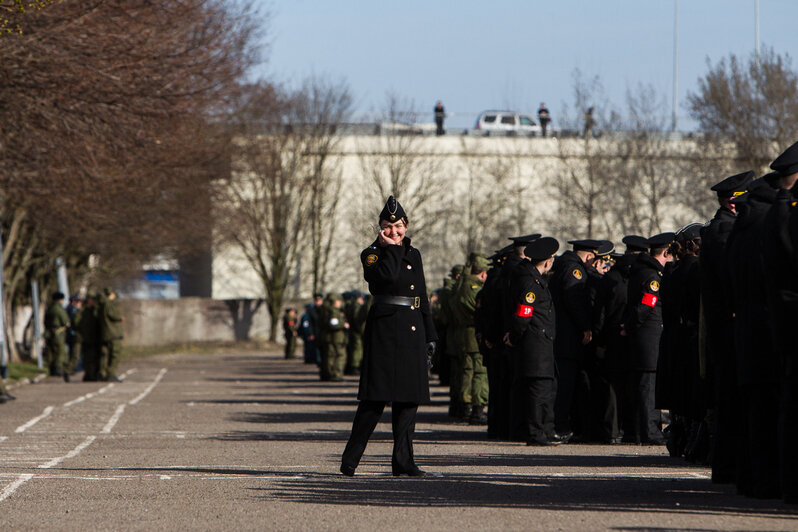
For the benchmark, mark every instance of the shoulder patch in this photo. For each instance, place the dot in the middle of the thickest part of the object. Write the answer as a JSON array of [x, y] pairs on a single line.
[[654, 285], [530, 297], [371, 259], [577, 273]]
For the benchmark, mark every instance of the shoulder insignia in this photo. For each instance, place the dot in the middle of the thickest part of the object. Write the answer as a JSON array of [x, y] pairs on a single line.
[[474, 287], [654, 285], [530, 297], [577, 273], [371, 259]]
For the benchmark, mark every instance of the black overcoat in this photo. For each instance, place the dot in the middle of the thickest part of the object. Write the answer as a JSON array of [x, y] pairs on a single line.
[[394, 364], [532, 331], [643, 320], [569, 290]]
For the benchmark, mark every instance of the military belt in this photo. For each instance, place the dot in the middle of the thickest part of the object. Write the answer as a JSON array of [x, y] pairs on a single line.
[[402, 301]]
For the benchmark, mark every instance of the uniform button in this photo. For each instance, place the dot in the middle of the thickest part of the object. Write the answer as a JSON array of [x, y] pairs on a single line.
[[412, 327], [412, 287], [409, 267]]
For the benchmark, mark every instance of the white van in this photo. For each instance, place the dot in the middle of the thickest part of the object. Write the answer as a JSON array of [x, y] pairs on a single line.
[[508, 123]]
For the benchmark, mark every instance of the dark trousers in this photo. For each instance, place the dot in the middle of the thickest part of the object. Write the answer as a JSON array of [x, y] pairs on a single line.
[[539, 396], [567, 374], [762, 442], [646, 418], [789, 435], [725, 442], [366, 418], [503, 392]]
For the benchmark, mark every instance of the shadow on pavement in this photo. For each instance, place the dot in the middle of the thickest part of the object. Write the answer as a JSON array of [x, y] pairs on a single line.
[[598, 493]]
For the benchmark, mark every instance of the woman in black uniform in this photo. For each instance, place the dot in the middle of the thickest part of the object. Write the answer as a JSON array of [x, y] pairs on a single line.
[[399, 339]]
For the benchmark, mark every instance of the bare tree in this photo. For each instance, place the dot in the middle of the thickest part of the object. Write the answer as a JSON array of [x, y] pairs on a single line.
[[282, 190], [106, 136], [396, 164], [589, 164], [749, 107]]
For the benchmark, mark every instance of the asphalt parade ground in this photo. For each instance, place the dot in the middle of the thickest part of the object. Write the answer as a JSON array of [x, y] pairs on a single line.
[[243, 440]]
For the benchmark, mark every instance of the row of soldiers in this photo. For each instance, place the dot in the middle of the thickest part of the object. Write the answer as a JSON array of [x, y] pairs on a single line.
[[592, 346], [90, 330], [332, 332]]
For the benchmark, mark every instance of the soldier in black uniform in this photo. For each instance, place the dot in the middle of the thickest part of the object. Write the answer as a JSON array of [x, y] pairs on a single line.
[[488, 323], [608, 325], [643, 325], [716, 290], [398, 342], [780, 253], [513, 425], [758, 364], [680, 388], [532, 333], [574, 324]]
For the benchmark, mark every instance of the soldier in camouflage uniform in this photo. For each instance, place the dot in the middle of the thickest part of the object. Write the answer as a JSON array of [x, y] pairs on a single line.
[[111, 335], [356, 317], [290, 332], [333, 327], [56, 322], [473, 376]]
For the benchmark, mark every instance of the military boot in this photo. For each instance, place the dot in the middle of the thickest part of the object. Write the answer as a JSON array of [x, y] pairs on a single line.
[[478, 416]]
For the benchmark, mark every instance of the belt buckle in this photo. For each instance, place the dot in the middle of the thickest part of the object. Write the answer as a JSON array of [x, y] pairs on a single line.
[[416, 302]]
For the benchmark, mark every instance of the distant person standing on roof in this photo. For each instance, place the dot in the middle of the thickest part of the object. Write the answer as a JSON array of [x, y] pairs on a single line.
[[544, 118], [440, 114]]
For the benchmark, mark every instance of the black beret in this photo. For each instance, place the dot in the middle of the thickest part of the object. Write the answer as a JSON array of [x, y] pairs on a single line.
[[542, 249], [786, 163], [661, 240], [733, 185], [58, 296], [635, 243], [689, 232], [586, 244], [392, 211], [525, 239]]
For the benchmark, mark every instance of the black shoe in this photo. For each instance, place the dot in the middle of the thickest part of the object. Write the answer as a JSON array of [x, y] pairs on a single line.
[[546, 443], [478, 416], [565, 437], [10, 397], [347, 470], [114, 379], [412, 472], [66, 377], [3, 399]]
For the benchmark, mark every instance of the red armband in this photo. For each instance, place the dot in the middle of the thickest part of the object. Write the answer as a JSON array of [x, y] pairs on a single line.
[[649, 300], [523, 311]]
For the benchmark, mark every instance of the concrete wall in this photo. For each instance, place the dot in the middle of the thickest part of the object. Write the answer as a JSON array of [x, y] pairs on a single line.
[[151, 322]]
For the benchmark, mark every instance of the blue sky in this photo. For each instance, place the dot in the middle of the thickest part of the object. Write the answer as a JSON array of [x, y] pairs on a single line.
[[476, 55]]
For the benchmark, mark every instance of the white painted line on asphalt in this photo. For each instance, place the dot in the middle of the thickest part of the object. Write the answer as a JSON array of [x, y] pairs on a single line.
[[47, 411], [149, 388], [106, 388], [111, 422], [3, 438], [74, 452], [11, 488]]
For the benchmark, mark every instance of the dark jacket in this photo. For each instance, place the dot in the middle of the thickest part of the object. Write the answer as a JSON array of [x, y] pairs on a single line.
[[757, 360], [643, 320], [571, 299], [394, 344], [532, 324], [609, 313]]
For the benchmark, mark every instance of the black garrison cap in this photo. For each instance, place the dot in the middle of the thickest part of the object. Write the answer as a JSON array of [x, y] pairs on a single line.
[[525, 239], [605, 248], [587, 244], [733, 185], [661, 240], [635, 243], [392, 211], [542, 249], [786, 163], [689, 232]]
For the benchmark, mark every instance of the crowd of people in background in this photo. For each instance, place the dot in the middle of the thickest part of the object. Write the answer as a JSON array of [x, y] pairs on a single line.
[[682, 340]]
